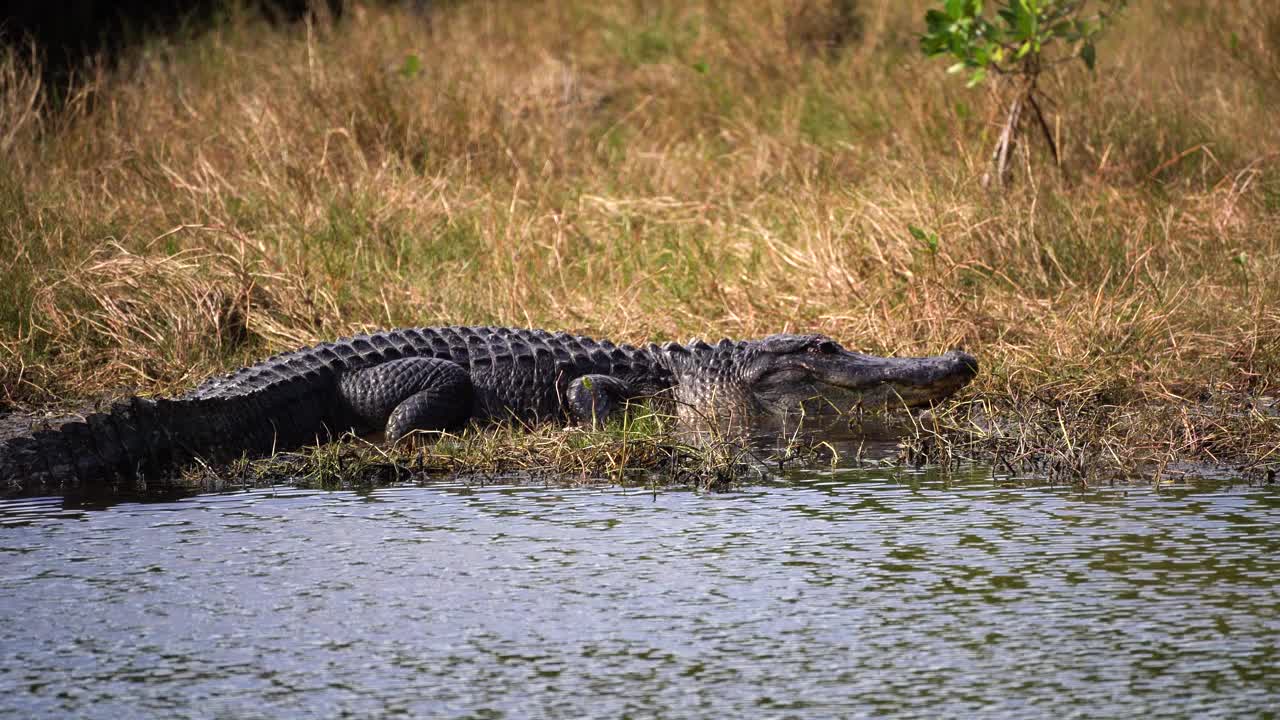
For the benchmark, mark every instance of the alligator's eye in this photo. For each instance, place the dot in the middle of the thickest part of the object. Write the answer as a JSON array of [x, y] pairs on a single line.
[[826, 347]]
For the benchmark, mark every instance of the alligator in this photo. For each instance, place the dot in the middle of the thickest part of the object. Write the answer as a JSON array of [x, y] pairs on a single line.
[[441, 378]]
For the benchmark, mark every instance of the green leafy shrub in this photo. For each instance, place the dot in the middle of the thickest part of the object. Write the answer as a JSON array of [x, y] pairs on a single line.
[[1022, 40]]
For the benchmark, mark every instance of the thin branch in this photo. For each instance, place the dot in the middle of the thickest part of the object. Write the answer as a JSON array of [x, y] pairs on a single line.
[[1005, 144], [1044, 126]]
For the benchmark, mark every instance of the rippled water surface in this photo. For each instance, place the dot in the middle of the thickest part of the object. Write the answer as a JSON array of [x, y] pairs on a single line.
[[845, 593]]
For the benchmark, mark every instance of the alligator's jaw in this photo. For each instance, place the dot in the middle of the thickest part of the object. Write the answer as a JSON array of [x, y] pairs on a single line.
[[754, 382], [870, 381], [846, 382]]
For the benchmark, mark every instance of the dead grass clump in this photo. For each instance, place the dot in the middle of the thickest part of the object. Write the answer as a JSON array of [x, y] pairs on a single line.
[[21, 100], [163, 322], [825, 26], [1090, 443]]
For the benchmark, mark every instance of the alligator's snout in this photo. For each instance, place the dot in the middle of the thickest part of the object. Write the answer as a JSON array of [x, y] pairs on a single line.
[[929, 379], [814, 370], [908, 380], [966, 365]]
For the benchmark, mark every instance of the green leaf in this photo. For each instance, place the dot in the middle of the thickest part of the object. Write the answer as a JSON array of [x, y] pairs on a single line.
[[958, 67], [699, 67], [936, 21], [982, 55], [412, 66], [1088, 54], [930, 240], [978, 76], [1026, 20]]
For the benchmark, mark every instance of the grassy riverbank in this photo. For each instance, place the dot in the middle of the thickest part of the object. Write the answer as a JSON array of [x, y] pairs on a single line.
[[699, 169]]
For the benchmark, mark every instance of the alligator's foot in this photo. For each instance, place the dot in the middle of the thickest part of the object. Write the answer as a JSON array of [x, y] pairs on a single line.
[[415, 393], [592, 398]]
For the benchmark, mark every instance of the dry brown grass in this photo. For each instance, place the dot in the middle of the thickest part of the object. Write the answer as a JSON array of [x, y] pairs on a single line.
[[653, 170]]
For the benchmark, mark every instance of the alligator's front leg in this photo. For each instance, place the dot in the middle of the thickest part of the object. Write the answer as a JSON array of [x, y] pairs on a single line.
[[415, 393], [592, 398]]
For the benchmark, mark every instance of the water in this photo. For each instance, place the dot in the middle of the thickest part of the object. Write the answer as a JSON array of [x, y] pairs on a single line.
[[846, 593]]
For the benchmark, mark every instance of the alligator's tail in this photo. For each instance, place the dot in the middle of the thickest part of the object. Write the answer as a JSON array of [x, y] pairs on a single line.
[[137, 441]]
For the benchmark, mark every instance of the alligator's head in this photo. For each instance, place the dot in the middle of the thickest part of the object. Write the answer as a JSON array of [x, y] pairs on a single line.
[[783, 374]]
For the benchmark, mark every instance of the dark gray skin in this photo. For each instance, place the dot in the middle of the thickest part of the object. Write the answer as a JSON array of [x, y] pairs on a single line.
[[433, 379]]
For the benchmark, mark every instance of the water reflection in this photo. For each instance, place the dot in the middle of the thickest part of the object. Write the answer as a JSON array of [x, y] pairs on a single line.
[[844, 591]]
